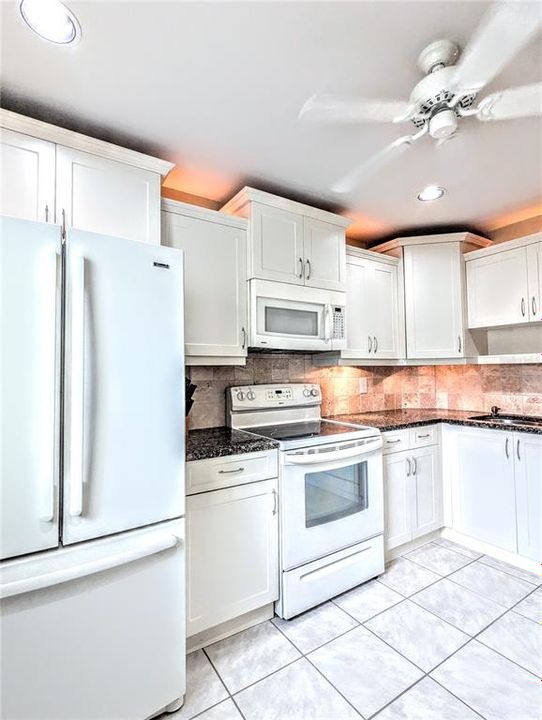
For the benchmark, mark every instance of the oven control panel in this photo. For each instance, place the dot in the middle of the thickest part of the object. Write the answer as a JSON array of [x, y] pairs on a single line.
[[252, 397]]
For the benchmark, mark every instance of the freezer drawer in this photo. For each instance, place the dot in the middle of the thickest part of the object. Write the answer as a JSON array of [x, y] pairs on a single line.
[[97, 631]]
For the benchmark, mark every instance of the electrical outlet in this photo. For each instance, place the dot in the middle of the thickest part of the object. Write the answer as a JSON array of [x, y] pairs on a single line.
[[362, 386]]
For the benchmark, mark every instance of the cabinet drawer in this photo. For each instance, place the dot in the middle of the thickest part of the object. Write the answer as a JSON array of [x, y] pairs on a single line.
[[395, 440], [427, 435], [204, 475], [332, 575]]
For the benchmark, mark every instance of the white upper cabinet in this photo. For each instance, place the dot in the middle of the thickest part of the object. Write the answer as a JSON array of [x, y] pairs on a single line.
[[27, 177], [373, 324], [107, 197], [528, 471], [433, 301], [215, 251], [325, 254], [505, 283], [534, 280], [277, 245], [497, 289], [49, 173], [290, 242]]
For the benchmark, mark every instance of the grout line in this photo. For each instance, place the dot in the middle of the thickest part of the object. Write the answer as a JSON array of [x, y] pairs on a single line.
[[516, 577], [333, 686], [204, 650]]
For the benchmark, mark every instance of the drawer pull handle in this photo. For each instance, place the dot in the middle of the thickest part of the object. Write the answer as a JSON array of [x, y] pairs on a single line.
[[424, 436], [229, 472], [392, 442]]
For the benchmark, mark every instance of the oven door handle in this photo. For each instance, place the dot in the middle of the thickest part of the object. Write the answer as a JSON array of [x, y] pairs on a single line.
[[305, 458]]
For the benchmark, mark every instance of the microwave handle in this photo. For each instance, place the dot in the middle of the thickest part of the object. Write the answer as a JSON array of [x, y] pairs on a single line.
[[327, 323]]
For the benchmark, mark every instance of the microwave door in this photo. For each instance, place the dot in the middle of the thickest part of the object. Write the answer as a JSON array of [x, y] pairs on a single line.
[[289, 324]]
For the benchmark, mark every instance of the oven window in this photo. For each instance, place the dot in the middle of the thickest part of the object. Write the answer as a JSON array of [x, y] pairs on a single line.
[[286, 321], [335, 494]]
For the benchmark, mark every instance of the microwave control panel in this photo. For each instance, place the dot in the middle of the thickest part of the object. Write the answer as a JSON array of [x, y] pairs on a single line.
[[338, 322]]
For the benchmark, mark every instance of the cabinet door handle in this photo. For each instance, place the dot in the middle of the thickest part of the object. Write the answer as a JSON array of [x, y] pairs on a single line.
[[459, 344], [275, 501], [506, 448], [375, 343], [533, 306], [523, 306], [47, 216], [308, 268], [369, 343], [409, 467], [229, 472], [300, 268], [415, 466], [244, 338], [517, 450]]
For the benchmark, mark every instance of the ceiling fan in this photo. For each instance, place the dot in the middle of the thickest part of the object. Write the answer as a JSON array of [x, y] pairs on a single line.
[[449, 90]]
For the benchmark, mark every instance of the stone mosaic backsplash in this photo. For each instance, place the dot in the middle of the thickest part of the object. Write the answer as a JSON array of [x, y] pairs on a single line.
[[514, 388]]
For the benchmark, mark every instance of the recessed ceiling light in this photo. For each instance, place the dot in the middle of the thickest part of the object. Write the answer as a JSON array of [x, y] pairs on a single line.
[[431, 192], [51, 20]]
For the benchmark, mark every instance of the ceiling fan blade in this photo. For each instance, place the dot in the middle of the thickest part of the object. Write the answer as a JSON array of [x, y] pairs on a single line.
[[380, 159], [337, 108], [504, 31], [517, 102]]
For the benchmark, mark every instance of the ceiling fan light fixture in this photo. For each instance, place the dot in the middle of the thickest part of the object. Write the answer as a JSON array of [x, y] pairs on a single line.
[[51, 20], [431, 192]]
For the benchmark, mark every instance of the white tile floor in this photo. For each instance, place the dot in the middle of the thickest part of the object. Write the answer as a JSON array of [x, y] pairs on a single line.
[[443, 634]]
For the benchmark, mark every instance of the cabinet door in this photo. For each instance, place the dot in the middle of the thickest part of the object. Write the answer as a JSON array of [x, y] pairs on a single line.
[[433, 303], [325, 255], [107, 197], [483, 493], [427, 491], [528, 465], [383, 307], [277, 245], [232, 553], [27, 177], [497, 289], [397, 499], [215, 289], [534, 276], [359, 342]]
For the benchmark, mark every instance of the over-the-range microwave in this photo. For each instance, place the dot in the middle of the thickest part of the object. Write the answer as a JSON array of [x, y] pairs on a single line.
[[292, 317]]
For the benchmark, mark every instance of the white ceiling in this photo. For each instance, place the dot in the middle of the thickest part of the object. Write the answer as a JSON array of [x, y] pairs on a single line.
[[217, 86]]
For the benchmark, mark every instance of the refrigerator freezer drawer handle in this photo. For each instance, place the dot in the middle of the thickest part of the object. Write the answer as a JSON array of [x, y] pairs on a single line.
[[77, 388], [155, 545]]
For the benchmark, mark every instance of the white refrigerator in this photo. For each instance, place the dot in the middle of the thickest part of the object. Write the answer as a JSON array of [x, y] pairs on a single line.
[[92, 476]]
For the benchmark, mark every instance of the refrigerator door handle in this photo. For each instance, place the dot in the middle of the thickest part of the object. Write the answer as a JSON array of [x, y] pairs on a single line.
[[49, 286], [77, 385], [149, 546]]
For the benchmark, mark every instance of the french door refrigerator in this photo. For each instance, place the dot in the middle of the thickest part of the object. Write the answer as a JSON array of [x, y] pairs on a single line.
[[92, 483]]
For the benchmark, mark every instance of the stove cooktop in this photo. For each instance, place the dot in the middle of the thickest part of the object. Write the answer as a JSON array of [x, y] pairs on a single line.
[[311, 432]]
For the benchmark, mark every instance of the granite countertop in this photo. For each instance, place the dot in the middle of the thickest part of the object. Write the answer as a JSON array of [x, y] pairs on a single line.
[[222, 441], [399, 419]]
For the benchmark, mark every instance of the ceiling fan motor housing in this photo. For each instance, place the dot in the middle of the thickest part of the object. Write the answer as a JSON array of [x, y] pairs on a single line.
[[432, 96]]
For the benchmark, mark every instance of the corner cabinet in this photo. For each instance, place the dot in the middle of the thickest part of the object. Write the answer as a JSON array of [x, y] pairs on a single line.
[[505, 283], [290, 242], [374, 327], [215, 252], [51, 174]]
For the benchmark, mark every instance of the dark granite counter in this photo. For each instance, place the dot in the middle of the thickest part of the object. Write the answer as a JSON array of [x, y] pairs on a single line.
[[223, 441], [399, 419]]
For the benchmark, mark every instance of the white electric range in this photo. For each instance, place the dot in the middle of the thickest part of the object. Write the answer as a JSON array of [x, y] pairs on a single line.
[[330, 489]]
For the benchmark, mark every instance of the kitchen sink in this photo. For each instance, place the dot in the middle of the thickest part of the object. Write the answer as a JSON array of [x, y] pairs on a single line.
[[510, 419]]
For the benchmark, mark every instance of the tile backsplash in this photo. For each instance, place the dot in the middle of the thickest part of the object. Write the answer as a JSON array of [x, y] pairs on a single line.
[[514, 388]]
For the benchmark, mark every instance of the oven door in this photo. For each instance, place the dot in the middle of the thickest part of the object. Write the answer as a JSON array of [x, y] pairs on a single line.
[[331, 497]]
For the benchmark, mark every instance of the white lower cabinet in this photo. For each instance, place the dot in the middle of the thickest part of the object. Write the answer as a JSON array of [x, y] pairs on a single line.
[[231, 553], [412, 493], [496, 488], [528, 471]]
